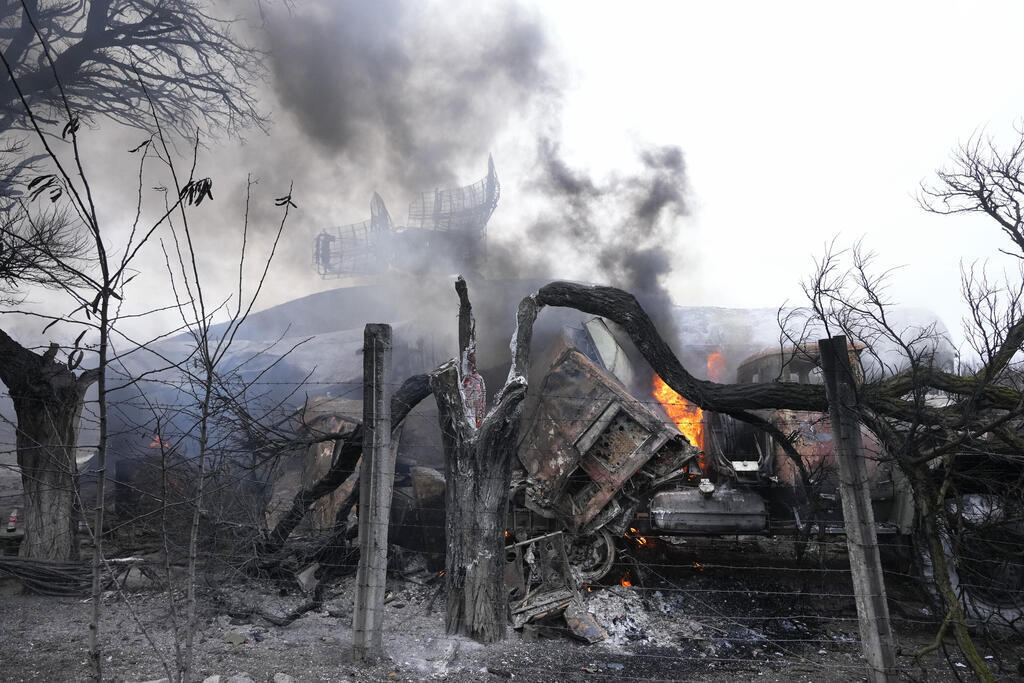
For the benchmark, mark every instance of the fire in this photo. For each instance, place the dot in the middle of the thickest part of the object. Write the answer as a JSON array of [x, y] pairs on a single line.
[[625, 580], [636, 537], [687, 417], [716, 366]]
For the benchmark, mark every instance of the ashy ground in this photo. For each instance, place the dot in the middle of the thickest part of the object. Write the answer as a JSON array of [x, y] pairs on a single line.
[[735, 615]]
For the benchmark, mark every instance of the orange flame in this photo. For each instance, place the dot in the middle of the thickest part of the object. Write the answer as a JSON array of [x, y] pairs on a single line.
[[716, 366], [687, 417], [625, 580], [635, 536]]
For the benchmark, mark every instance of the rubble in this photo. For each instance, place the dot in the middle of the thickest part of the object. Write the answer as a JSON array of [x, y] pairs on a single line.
[[656, 633], [622, 614]]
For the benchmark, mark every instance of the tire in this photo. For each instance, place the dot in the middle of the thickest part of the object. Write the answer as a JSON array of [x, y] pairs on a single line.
[[985, 558], [592, 556]]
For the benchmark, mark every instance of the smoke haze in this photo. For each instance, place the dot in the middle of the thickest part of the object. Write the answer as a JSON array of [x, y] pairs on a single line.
[[402, 90]]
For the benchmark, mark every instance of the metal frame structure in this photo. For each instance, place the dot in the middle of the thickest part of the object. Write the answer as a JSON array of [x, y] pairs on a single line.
[[444, 227]]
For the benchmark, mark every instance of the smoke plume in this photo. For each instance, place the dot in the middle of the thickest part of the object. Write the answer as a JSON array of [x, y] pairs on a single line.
[[402, 97], [616, 231], [403, 90]]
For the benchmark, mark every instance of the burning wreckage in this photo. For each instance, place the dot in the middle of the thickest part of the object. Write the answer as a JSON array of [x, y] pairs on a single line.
[[600, 464], [608, 451]]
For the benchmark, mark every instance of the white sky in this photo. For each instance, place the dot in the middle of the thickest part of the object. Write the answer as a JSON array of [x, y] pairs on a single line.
[[799, 121]]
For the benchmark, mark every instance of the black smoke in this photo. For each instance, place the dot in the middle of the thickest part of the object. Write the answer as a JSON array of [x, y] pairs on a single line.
[[408, 91], [403, 97], [616, 231]]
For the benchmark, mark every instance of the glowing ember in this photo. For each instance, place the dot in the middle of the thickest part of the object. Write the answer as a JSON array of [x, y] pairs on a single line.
[[716, 366], [687, 417], [625, 580], [635, 536]]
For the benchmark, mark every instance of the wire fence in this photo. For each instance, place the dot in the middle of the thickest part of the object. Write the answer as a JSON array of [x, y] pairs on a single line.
[[670, 607]]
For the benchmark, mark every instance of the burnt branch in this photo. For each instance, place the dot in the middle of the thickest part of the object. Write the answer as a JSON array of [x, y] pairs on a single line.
[[343, 462], [467, 324], [895, 398], [623, 308], [103, 53]]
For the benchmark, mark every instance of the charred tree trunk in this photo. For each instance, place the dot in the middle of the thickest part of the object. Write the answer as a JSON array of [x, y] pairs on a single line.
[[48, 399], [478, 473]]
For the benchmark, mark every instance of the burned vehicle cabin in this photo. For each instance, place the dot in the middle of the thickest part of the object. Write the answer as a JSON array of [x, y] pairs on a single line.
[[601, 456], [802, 495]]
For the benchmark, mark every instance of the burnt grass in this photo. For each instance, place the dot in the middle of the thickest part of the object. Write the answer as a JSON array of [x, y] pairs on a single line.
[[708, 611]]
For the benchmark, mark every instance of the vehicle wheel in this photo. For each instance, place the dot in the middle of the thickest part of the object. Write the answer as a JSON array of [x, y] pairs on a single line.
[[985, 562], [592, 556]]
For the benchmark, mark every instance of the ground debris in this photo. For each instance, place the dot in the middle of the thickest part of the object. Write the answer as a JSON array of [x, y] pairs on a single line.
[[685, 632]]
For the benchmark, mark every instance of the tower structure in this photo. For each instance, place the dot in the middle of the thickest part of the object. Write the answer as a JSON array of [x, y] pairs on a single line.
[[446, 230]]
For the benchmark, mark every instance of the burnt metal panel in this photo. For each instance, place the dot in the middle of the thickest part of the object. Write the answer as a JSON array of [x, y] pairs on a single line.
[[613, 438], [588, 437]]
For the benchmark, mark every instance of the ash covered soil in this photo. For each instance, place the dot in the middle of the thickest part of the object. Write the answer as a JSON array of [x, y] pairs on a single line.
[[734, 614]]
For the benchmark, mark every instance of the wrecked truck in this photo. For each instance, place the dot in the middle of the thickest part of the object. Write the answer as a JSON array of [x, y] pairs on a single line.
[[606, 452], [595, 457]]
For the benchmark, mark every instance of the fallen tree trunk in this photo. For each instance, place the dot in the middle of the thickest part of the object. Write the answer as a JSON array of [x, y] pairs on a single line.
[[886, 398], [736, 400], [623, 308]]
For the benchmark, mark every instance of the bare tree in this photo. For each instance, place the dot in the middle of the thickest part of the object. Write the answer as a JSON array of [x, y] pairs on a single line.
[[930, 419], [48, 397], [112, 57], [47, 438], [204, 372], [33, 247], [65, 63]]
